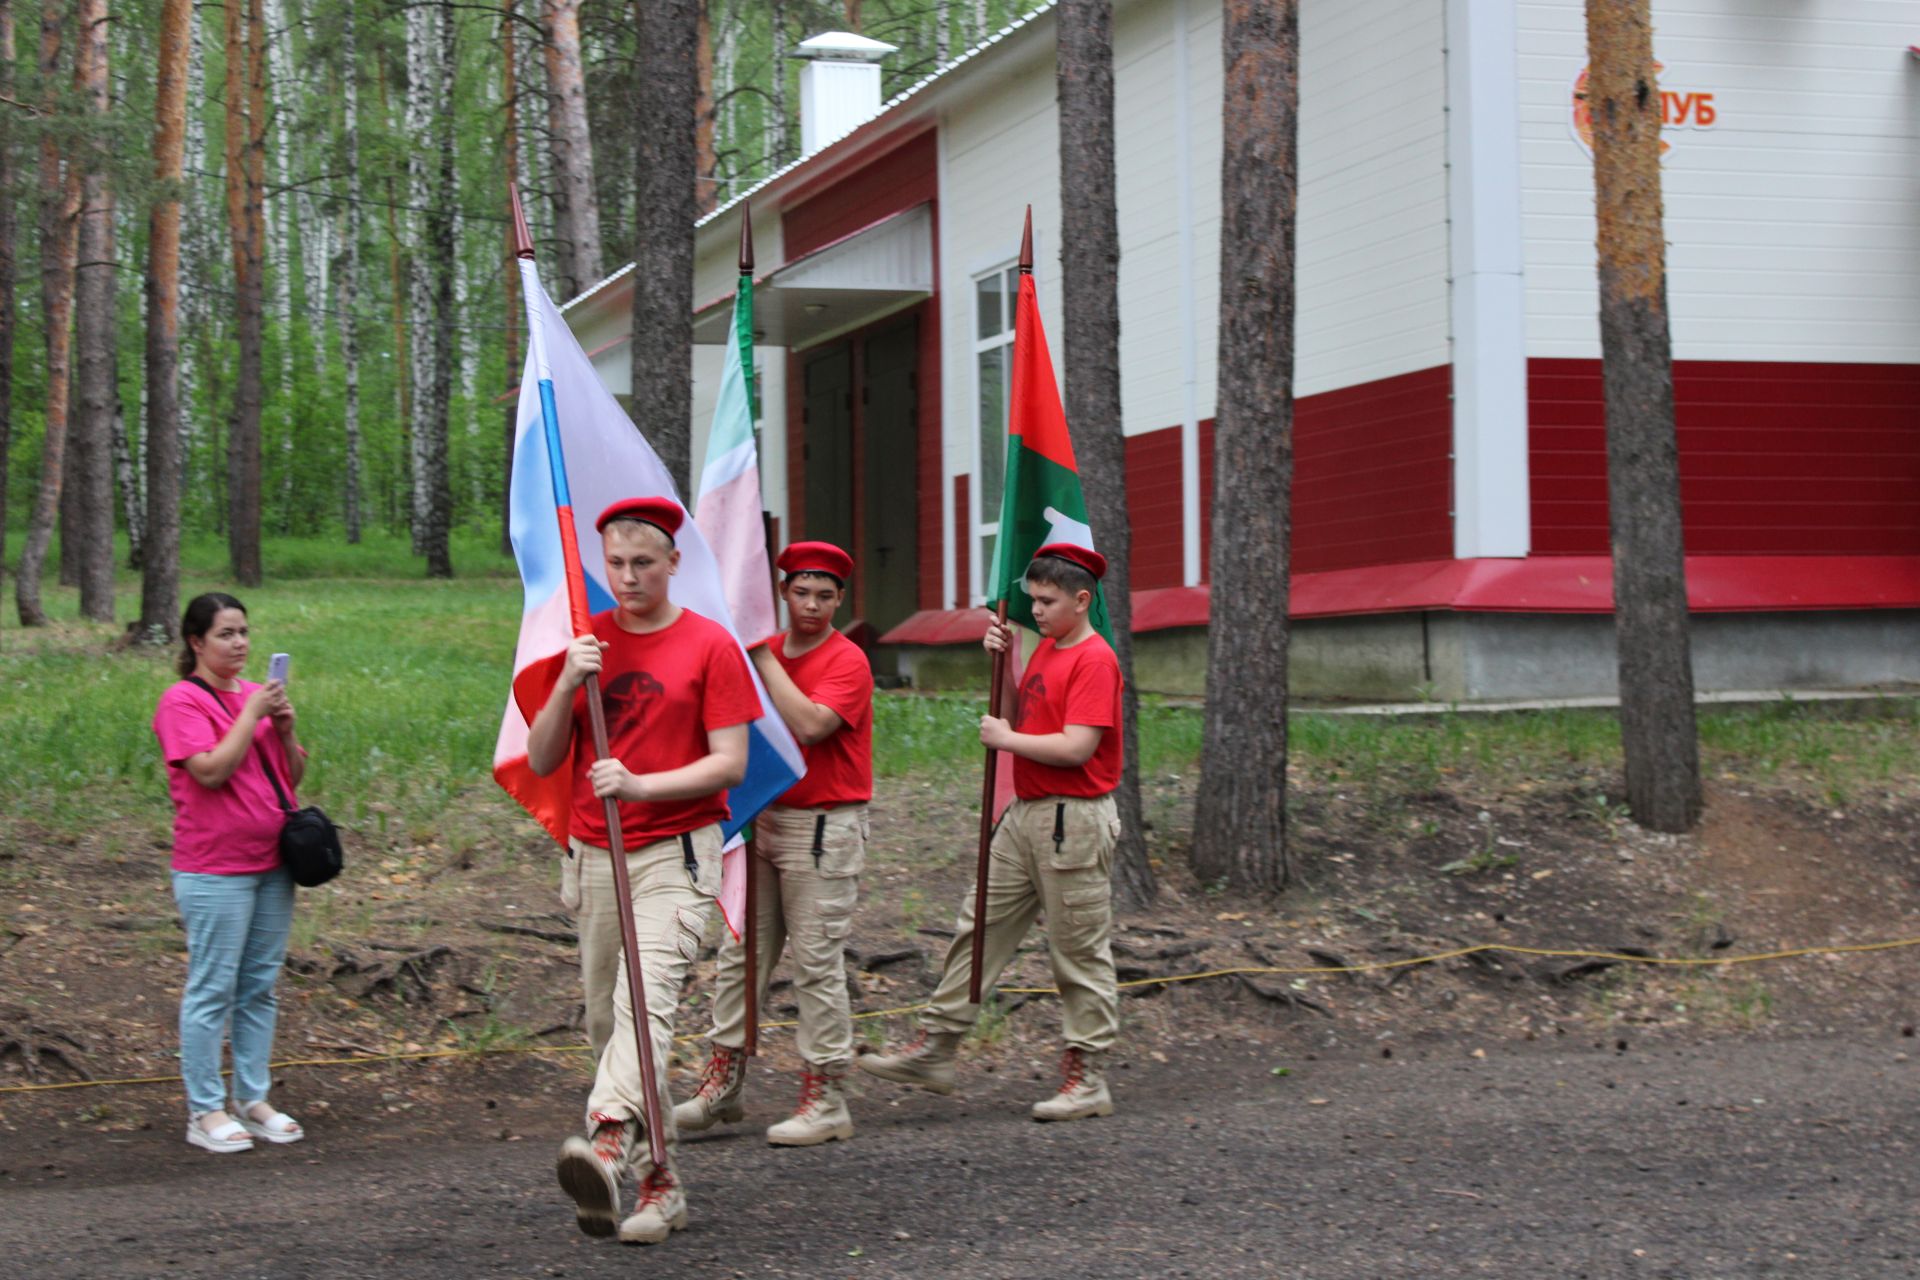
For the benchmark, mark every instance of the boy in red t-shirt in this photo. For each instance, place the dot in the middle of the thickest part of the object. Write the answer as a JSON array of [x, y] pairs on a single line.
[[813, 843], [1053, 850], [678, 700]]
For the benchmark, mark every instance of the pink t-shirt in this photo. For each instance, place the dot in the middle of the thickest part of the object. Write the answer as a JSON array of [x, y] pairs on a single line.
[[232, 829]]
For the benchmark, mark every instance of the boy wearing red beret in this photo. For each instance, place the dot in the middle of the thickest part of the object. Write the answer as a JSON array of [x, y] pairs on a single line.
[[1053, 850], [678, 700], [813, 841]]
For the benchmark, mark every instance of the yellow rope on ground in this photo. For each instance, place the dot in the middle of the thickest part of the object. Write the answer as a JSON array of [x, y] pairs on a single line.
[[1480, 948]]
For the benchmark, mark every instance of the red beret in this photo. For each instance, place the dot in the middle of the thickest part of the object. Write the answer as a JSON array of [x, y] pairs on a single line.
[[663, 514], [1086, 557], [815, 557]]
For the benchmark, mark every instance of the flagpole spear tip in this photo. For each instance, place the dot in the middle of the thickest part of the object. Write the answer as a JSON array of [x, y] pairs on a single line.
[[746, 239], [522, 238], [1026, 244]]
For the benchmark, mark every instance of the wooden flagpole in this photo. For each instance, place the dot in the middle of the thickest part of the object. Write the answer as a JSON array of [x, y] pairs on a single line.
[[596, 710], [750, 930], [995, 689]]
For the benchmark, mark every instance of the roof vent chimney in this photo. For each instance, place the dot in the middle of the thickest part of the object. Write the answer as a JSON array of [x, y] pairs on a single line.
[[839, 85]]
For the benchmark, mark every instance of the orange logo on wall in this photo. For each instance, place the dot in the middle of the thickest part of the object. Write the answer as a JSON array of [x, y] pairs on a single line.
[[1678, 110]]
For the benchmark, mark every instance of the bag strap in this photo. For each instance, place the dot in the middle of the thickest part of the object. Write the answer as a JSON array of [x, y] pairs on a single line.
[[265, 764]]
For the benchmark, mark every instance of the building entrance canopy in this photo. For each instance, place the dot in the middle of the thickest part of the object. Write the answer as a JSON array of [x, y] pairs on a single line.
[[853, 281]]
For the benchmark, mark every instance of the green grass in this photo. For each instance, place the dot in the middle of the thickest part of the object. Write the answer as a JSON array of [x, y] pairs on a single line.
[[400, 682]]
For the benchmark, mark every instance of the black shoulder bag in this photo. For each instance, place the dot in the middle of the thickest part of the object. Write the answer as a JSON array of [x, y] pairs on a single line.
[[309, 842]]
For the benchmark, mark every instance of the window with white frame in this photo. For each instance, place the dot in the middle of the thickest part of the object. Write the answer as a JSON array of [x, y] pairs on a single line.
[[994, 295]]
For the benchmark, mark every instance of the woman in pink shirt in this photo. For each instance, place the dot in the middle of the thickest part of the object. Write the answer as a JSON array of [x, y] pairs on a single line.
[[219, 734]]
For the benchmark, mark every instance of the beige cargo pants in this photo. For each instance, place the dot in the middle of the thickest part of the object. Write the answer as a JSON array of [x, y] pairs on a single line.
[[809, 883], [1051, 856], [670, 911]]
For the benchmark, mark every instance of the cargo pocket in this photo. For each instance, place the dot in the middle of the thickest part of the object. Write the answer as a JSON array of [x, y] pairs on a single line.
[[570, 879], [688, 928], [1088, 905], [843, 849]]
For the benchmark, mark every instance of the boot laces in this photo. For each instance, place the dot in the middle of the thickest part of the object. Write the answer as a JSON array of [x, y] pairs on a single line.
[[1073, 1070], [609, 1139], [813, 1088], [719, 1067], [654, 1187]]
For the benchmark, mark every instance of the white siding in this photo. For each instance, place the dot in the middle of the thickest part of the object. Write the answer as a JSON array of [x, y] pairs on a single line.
[[1791, 223], [1373, 192]]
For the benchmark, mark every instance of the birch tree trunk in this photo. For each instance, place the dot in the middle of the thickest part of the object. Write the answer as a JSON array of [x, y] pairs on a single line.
[[350, 271], [1657, 729], [577, 205], [431, 66], [423, 46], [1090, 251], [9, 262], [59, 183], [662, 403], [126, 473], [280, 242], [942, 32], [777, 126], [160, 565], [198, 253], [246, 220], [1240, 816]]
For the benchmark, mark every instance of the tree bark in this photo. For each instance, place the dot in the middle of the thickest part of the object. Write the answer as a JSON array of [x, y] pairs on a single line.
[[706, 165], [127, 474], [1090, 253], [1240, 816], [94, 329], [510, 411], [777, 125], [59, 183], [160, 566], [9, 262], [440, 241], [423, 48], [246, 220], [1657, 728], [942, 32], [350, 272], [662, 402], [577, 203]]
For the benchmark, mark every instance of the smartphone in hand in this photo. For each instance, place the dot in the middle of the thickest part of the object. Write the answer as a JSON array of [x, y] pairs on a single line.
[[277, 668]]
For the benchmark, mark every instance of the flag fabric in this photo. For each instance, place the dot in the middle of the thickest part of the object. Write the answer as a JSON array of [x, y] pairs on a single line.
[[728, 512], [1042, 501], [576, 452]]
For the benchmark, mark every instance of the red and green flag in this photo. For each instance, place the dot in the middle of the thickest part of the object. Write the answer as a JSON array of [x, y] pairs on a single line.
[[1042, 501]]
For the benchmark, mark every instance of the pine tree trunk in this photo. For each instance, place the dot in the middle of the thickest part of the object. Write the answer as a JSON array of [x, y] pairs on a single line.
[[1657, 727], [160, 566], [706, 165], [577, 203], [662, 403], [59, 183], [510, 95], [777, 126], [350, 270], [246, 174], [1090, 251], [1240, 816], [9, 262], [94, 328]]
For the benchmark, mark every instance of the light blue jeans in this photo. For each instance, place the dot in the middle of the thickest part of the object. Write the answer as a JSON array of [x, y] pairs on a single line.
[[237, 930]]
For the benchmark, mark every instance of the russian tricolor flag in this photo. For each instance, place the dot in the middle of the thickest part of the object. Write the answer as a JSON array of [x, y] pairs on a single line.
[[575, 451]]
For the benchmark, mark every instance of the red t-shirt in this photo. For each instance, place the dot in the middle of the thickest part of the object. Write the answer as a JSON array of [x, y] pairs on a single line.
[[663, 690], [1080, 685], [836, 675]]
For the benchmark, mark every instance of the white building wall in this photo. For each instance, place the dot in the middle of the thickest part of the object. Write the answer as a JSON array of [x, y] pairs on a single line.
[[1791, 224], [1372, 239]]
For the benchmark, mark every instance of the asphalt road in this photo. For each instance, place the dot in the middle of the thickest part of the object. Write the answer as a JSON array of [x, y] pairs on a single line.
[[1738, 1158]]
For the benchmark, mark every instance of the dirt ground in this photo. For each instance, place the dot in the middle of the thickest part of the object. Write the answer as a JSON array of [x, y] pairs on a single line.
[[421, 949]]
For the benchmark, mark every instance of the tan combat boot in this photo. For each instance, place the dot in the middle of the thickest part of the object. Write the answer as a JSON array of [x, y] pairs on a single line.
[[659, 1210], [927, 1062], [1083, 1090], [590, 1169], [822, 1114], [718, 1098]]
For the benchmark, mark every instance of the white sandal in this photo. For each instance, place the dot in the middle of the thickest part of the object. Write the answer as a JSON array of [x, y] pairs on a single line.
[[225, 1139], [278, 1127]]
